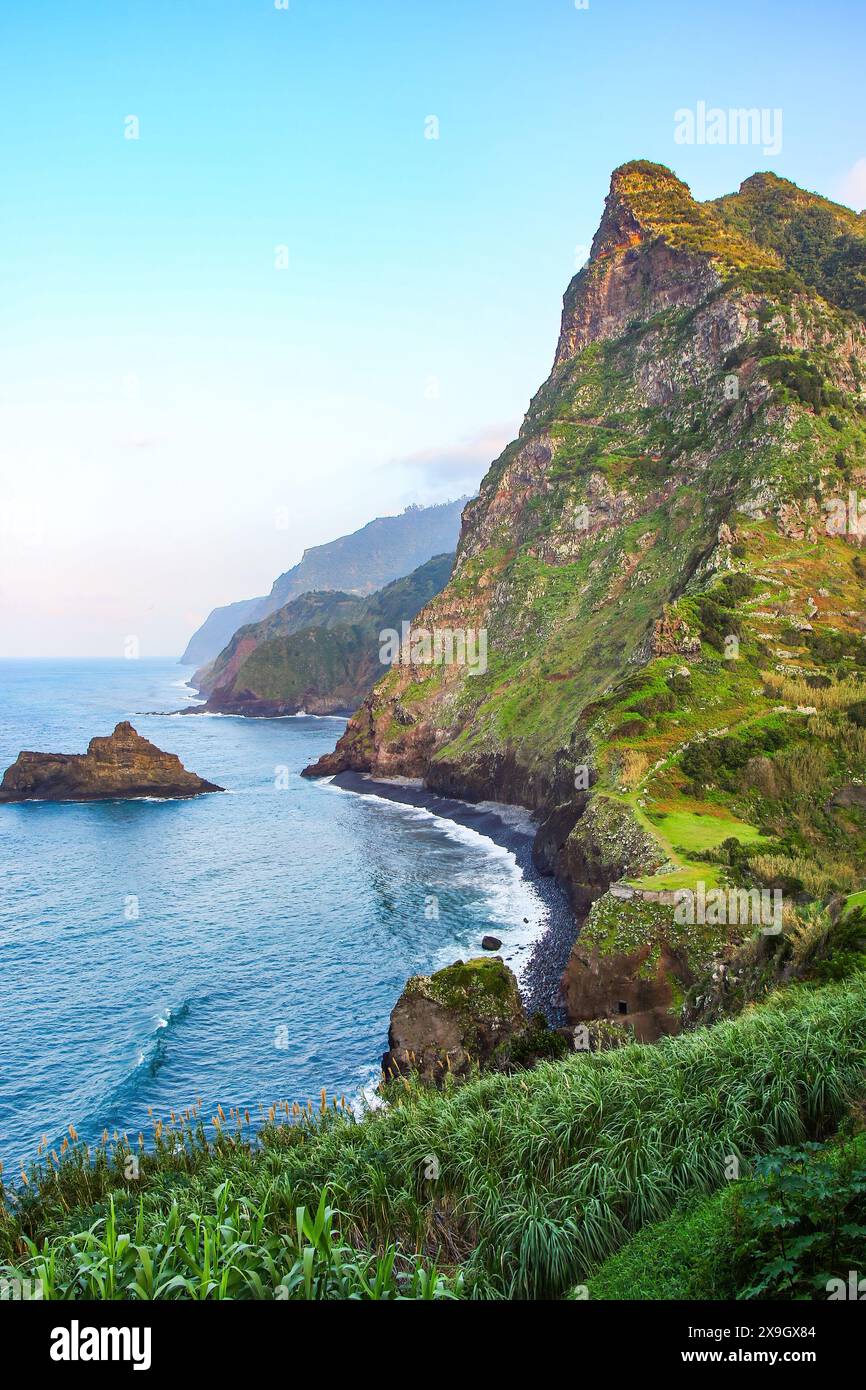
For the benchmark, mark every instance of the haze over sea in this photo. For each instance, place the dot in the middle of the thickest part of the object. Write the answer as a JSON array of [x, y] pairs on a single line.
[[270, 915]]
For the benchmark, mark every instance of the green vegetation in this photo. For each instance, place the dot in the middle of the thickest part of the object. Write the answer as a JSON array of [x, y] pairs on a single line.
[[793, 1229], [484, 985], [541, 1175], [233, 1251], [320, 647], [821, 242]]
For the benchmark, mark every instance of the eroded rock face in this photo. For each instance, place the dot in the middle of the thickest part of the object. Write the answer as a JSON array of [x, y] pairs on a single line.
[[605, 844], [444, 1022], [121, 765], [552, 834], [627, 986]]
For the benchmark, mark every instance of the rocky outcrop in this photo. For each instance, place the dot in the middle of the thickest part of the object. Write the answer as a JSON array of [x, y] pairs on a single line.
[[622, 285], [446, 1022], [853, 794], [672, 637], [120, 766], [443, 1022]]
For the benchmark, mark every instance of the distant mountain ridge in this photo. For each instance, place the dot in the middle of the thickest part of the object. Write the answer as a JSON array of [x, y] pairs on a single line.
[[385, 549], [319, 652]]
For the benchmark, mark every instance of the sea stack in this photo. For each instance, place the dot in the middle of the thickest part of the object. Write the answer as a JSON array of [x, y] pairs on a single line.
[[121, 766]]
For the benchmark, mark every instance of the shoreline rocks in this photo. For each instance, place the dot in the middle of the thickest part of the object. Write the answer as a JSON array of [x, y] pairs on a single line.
[[445, 1021], [469, 1014], [122, 765], [548, 954]]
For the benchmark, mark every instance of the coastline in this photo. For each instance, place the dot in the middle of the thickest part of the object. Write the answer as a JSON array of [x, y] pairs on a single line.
[[512, 829]]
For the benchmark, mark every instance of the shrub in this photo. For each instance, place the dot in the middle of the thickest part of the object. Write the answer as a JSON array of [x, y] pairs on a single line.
[[799, 376], [805, 1218], [718, 759]]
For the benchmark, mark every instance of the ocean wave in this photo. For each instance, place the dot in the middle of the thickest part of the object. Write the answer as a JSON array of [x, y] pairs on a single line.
[[111, 1111], [511, 905], [367, 1097], [152, 1056]]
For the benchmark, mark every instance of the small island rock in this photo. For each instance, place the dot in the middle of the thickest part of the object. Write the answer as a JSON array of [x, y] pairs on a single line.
[[122, 765]]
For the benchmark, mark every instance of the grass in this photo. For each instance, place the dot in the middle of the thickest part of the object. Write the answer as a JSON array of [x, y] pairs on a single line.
[[693, 831], [686, 1256], [684, 832], [231, 1252], [785, 1231], [537, 1176], [687, 876]]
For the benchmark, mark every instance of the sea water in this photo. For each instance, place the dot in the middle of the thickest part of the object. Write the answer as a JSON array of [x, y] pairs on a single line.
[[243, 948]]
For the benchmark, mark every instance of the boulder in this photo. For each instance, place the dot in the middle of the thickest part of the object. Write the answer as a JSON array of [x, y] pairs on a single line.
[[458, 1016], [853, 794], [490, 943]]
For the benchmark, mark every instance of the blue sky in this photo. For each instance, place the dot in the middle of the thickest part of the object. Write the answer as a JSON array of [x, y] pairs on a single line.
[[180, 417]]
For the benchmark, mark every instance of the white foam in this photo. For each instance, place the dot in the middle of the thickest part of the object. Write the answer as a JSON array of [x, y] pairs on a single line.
[[302, 714], [507, 900], [367, 1098]]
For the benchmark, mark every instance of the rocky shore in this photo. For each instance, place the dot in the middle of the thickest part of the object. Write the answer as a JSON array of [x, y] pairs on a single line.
[[513, 830]]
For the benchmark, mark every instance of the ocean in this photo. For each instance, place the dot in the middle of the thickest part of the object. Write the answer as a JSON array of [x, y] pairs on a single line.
[[242, 948]]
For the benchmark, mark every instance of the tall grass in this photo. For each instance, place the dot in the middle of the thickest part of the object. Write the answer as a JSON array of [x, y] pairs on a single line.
[[794, 691], [236, 1251], [528, 1180], [817, 880]]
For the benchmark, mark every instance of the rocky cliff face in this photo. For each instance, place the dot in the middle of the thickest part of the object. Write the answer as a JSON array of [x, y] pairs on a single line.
[[660, 569], [381, 551], [122, 765]]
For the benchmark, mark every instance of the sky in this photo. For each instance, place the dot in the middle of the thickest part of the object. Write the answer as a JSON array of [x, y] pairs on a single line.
[[268, 271]]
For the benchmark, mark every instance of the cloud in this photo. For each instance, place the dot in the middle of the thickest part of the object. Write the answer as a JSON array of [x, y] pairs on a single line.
[[852, 186], [452, 469], [138, 441]]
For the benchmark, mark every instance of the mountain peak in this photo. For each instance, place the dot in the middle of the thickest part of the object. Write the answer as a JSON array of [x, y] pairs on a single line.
[[656, 248], [641, 194]]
